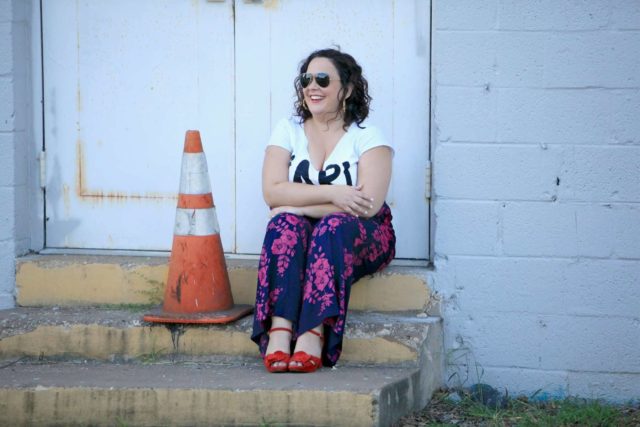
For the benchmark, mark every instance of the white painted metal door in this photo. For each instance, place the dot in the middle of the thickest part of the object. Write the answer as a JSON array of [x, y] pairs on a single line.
[[390, 39], [124, 80]]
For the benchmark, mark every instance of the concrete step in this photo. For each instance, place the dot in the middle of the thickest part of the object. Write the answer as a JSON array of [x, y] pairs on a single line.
[[209, 394], [48, 280], [112, 334]]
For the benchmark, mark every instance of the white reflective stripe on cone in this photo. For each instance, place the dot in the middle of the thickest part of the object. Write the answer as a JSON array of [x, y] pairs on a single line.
[[196, 222], [194, 176]]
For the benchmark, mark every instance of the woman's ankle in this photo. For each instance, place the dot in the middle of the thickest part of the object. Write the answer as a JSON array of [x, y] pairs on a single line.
[[280, 335], [280, 322], [310, 341]]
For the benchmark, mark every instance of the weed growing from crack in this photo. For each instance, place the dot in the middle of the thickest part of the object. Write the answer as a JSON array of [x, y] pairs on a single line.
[[154, 355], [132, 308]]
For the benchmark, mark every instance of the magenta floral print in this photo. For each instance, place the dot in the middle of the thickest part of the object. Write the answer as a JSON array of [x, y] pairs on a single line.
[[307, 268]]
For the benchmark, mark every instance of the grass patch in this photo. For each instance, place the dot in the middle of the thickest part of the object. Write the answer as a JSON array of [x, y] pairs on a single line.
[[466, 412]]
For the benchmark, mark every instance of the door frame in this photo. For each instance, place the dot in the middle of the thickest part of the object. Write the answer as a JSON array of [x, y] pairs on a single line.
[[431, 147], [36, 189]]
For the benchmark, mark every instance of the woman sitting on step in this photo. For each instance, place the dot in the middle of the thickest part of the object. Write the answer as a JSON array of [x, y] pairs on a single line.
[[325, 177]]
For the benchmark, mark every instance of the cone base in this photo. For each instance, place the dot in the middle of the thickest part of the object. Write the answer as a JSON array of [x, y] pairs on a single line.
[[221, 316]]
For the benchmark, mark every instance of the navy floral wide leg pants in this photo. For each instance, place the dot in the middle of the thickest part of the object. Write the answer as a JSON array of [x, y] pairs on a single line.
[[307, 268]]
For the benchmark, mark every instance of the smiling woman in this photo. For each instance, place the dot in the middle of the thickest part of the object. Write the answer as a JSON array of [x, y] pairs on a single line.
[[325, 178]]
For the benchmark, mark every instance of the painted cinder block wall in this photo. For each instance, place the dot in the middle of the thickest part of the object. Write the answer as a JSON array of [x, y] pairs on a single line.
[[15, 140], [536, 152]]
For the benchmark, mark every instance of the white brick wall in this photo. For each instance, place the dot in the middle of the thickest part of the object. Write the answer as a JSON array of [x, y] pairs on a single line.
[[15, 123], [537, 193]]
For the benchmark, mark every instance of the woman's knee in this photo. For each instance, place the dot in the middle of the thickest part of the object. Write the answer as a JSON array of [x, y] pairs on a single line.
[[338, 222], [288, 231], [287, 221]]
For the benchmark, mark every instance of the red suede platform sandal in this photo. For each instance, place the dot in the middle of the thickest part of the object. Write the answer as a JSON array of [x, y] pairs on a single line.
[[276, 357], [308, 363]]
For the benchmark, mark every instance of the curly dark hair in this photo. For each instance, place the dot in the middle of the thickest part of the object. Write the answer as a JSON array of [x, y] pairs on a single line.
[[357, 105]]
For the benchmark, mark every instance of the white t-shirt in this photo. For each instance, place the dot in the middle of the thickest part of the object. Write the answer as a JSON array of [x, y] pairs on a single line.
[[340, 167]]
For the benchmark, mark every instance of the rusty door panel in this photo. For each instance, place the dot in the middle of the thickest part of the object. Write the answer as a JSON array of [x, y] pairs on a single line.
[[123, 81]]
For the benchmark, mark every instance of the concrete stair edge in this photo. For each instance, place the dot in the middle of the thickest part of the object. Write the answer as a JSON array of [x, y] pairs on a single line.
[[109, 334], [103, 394], [48, 280]]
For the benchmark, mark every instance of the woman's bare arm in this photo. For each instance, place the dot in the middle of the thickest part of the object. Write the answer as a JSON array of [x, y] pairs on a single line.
[[374, 175], [278, 191], [313, 211]]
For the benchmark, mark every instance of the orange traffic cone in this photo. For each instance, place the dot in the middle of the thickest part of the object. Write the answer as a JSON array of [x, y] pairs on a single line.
[[197, 289]]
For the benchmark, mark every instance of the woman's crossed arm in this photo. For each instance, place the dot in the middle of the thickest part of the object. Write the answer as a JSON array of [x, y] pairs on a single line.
[[365, 199]]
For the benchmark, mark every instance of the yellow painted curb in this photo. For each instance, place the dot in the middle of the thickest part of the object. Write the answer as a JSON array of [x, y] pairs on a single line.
[[180, 407], [149, 343], [376, 350], [85, 280]]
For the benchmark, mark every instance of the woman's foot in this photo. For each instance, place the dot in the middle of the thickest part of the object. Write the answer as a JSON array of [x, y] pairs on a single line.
[[307, 354], [276, 357]]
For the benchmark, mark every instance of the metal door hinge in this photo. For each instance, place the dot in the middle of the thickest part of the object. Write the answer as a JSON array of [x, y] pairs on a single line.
[[42, 160], [427, 181]]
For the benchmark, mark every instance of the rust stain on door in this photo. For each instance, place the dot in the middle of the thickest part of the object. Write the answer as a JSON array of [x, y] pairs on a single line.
[[271, 4], [97, 195]]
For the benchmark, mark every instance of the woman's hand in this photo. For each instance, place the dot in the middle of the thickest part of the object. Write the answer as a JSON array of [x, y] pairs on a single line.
[[351, 199], [289, 209]]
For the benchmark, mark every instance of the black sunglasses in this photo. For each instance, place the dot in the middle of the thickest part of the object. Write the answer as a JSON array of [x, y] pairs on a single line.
[[322, 79]]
